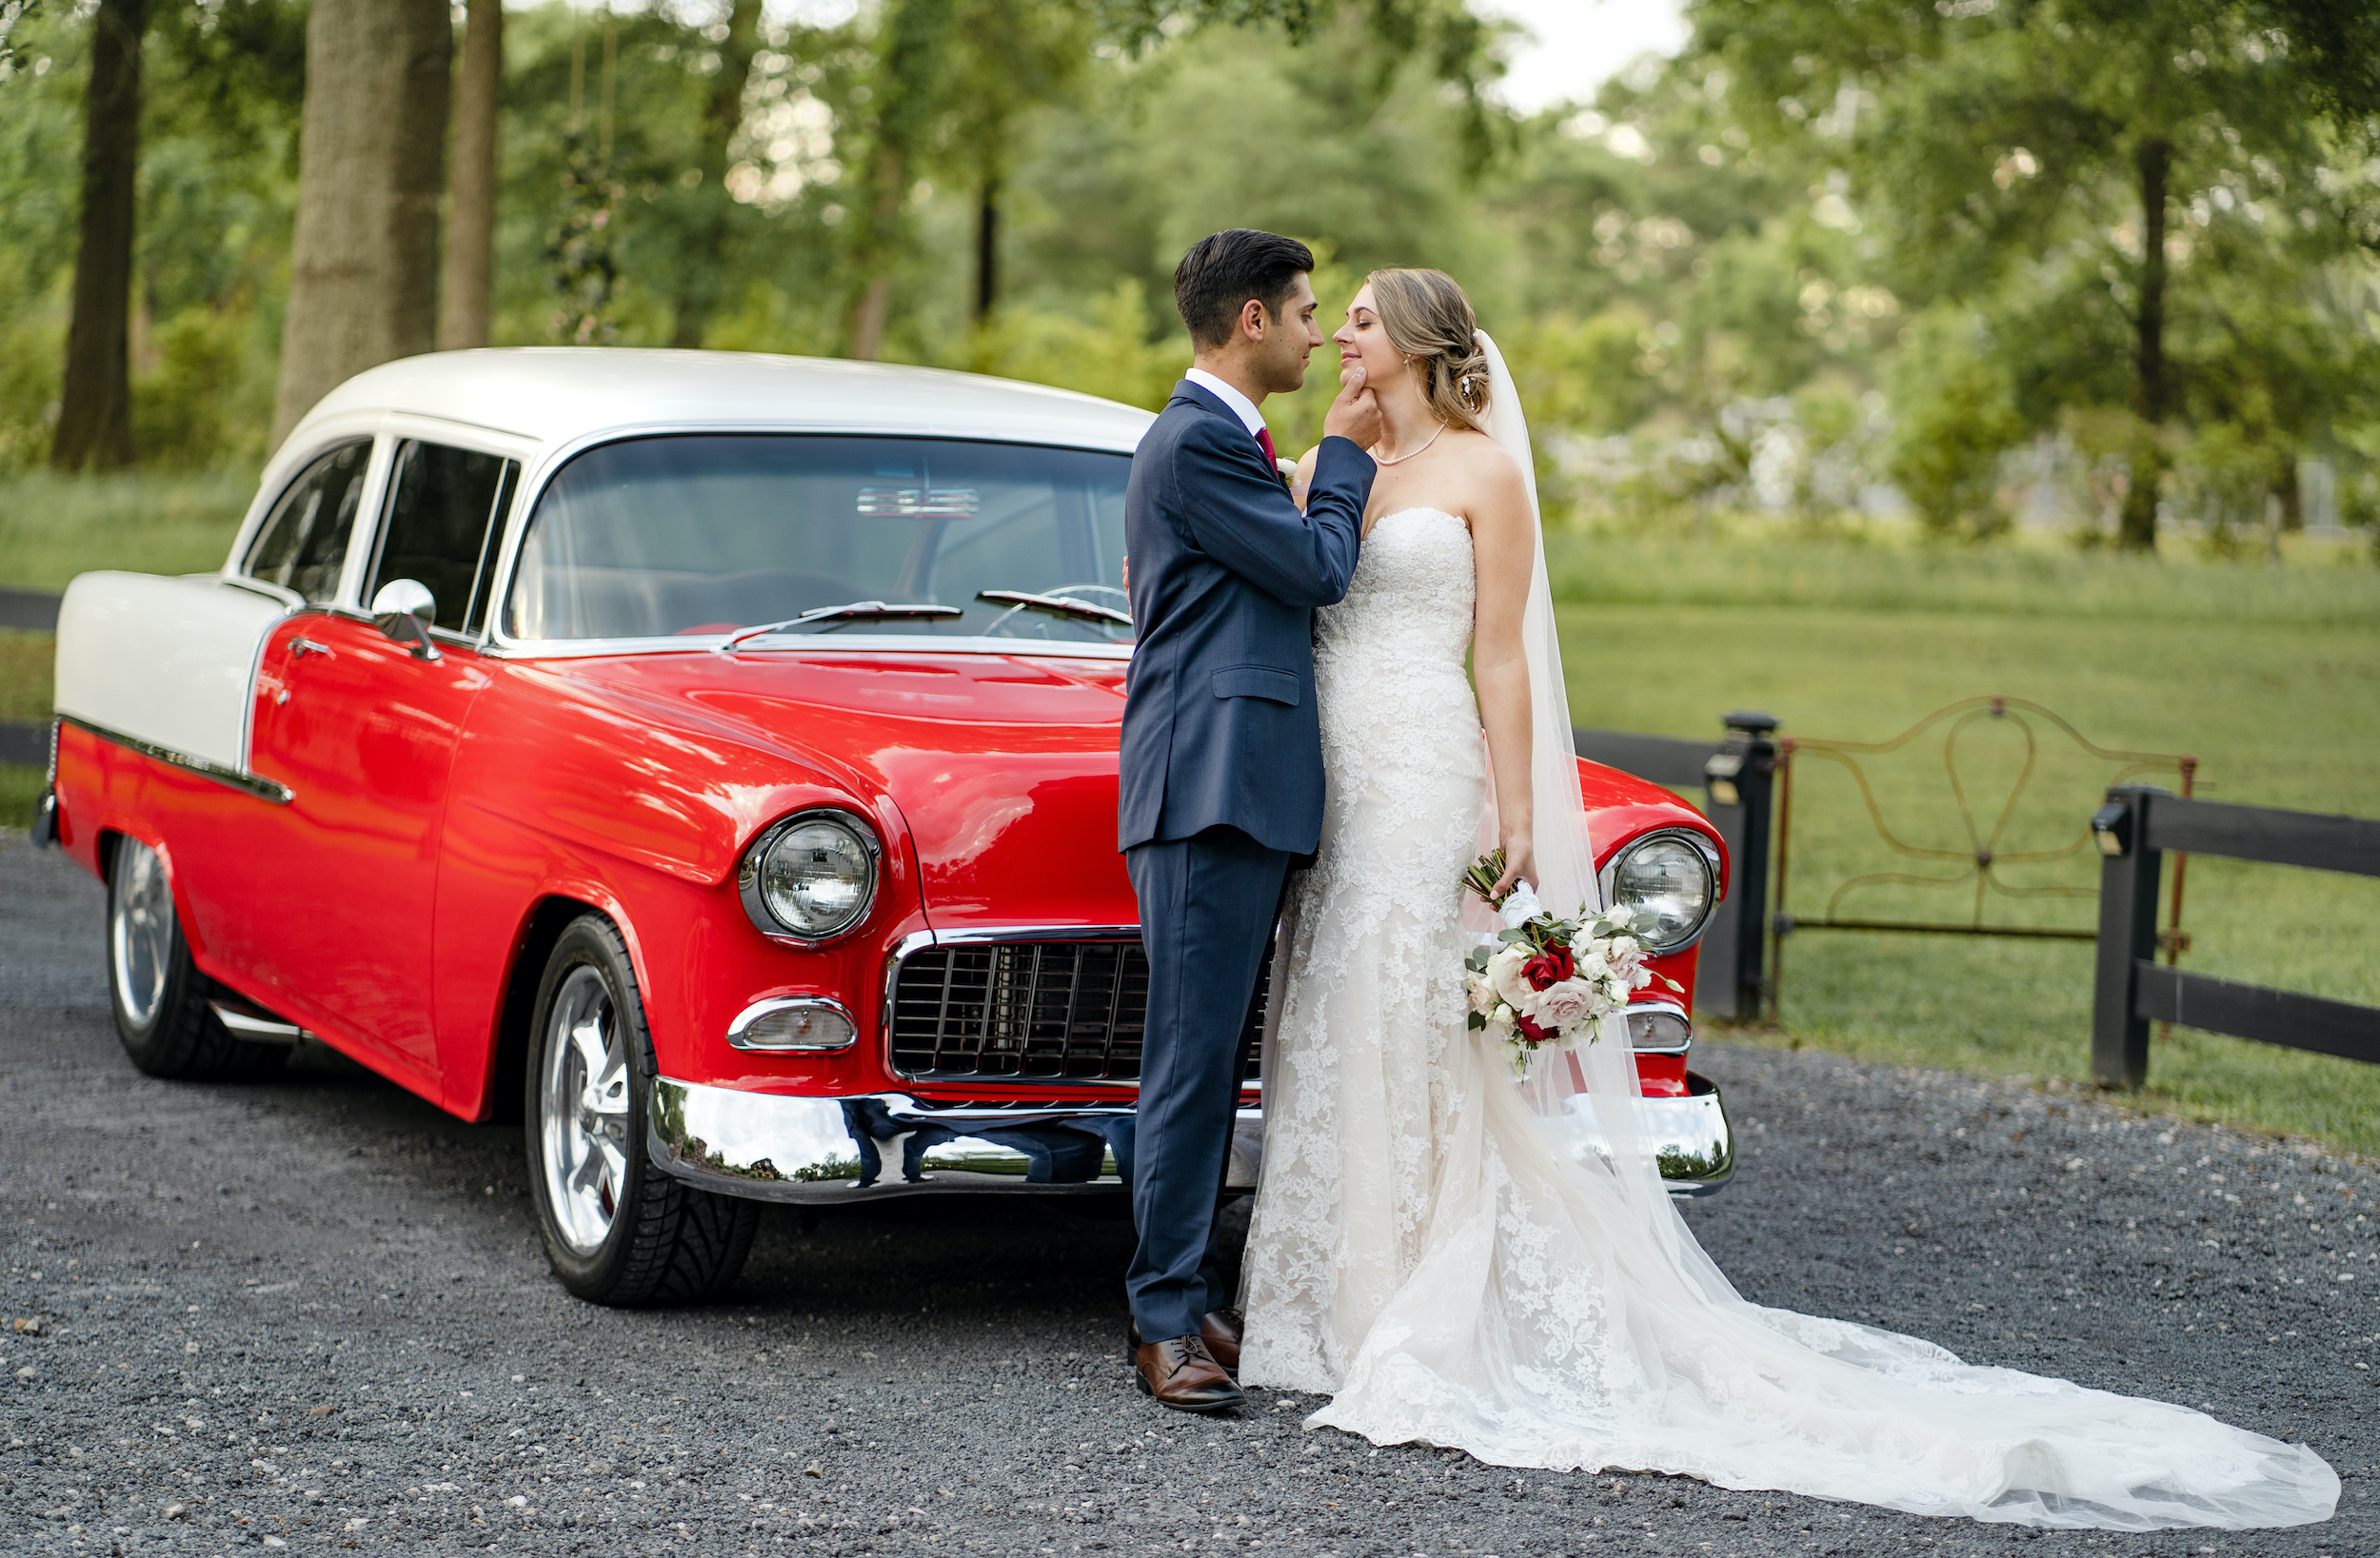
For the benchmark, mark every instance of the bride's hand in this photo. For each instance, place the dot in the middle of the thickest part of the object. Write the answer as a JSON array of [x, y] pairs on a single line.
[[1521, 864]]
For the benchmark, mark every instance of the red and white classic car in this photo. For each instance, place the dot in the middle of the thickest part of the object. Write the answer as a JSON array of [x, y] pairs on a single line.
[[709, 759]]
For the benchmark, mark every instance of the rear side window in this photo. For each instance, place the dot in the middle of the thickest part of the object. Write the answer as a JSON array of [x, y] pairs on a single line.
[[445, 506], [304, 543]]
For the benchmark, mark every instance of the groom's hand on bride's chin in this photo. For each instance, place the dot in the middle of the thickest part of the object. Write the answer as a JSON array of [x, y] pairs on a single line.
[[1356, 414]]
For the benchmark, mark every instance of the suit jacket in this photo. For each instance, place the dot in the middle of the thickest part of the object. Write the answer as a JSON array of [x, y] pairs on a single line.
[[1220, 724]]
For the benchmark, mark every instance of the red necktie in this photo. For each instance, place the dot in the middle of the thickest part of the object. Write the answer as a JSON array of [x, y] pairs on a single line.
[[1265, 442]]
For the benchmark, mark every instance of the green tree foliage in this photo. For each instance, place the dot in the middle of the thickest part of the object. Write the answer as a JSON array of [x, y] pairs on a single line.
[[1953, 415], [1837, 249], [2103, 168]]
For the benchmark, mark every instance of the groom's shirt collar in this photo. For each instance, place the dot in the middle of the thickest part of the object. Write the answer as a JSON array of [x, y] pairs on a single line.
[[1241, 405]]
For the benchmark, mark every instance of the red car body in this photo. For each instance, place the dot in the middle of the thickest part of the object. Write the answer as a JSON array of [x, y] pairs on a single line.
[[388, 858]]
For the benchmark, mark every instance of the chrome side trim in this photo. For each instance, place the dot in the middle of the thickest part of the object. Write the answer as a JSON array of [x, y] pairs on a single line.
[[254, 784], [253, 1023], [741, 1023], [874, 643]]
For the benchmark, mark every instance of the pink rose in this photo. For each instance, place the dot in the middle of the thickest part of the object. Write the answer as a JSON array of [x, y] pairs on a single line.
[[1563, 1006]]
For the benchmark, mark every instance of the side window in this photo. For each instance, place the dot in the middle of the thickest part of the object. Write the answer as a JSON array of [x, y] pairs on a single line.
[[304, 542], [444, 509]]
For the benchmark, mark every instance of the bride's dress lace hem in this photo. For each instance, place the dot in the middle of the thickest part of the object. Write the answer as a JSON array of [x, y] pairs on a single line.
[[1458, 1269]]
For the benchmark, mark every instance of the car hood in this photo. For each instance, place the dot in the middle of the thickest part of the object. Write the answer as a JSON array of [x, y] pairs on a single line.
[[1003, 766]]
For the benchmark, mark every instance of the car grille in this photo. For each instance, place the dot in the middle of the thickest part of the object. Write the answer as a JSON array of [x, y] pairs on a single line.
[[1036, 1011]]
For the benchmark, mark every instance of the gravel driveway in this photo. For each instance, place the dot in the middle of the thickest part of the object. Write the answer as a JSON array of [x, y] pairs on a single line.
[[312, 1315]]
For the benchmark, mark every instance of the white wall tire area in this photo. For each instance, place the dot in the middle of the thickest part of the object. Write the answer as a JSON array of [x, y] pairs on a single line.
[[159, 997], [617, 1230]]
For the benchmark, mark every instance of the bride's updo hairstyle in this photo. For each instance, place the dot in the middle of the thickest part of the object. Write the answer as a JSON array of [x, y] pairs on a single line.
[[1429, 320]]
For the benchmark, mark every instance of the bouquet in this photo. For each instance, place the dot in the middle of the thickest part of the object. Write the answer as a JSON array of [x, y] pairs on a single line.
[[1543, 981]]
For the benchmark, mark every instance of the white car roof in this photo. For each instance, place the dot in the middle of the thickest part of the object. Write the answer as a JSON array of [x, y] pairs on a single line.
[[560, 394]]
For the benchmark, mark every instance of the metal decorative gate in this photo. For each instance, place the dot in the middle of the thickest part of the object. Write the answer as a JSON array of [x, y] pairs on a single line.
[[1993, 866]]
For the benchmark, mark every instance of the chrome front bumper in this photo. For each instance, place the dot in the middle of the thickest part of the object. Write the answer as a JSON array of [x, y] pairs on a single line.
[[773, 1147]]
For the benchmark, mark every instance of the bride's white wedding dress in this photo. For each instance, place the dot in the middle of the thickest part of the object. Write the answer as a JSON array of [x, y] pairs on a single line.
[[1457, 1260]]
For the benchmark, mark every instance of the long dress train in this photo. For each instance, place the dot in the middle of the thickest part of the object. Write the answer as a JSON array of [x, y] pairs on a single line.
[[1453, 1259]]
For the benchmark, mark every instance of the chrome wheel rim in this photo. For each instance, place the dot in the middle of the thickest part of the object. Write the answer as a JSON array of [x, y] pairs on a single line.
[[583, 1111], [140, 932]]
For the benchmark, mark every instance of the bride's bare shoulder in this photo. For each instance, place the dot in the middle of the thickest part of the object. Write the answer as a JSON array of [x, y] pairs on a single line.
[[1489, 470]]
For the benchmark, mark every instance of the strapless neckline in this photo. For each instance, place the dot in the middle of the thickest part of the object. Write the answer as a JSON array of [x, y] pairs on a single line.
[[1401, 513]]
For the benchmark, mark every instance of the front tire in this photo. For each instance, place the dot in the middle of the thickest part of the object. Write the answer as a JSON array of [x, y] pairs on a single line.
[[159, 996], [618, 1231]]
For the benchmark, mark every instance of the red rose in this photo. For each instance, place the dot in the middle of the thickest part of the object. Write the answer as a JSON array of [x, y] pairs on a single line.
[[1530, 1031], [1548, 968]]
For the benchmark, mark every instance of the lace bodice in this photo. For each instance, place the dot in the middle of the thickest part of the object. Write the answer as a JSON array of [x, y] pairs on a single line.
[[1460, 1272], [1410, 601]]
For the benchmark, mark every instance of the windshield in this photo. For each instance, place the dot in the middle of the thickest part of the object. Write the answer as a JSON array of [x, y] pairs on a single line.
[[712, 533]]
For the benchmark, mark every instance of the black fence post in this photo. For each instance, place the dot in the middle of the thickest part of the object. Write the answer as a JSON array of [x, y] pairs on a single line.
[[2128, 869], [1730, 978]]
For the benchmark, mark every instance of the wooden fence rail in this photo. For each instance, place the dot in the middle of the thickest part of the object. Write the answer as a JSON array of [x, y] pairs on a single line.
[[2135, 829]]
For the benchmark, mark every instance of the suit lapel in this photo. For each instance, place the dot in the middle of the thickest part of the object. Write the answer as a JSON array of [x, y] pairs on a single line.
[[1206, 400]]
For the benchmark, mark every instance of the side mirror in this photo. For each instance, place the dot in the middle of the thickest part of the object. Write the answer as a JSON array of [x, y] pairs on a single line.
[[403, 608]]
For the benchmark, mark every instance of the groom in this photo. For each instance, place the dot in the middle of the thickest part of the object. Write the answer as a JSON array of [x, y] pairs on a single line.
[[1223, 761]]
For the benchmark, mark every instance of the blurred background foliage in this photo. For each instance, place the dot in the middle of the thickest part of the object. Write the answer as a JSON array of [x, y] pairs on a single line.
[[1832, 265]]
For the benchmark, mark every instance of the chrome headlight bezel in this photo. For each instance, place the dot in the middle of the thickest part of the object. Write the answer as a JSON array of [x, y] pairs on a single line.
[[748, 875], [1703, 850]]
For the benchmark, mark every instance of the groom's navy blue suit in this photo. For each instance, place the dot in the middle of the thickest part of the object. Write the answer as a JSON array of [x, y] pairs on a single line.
[[1221, 790]]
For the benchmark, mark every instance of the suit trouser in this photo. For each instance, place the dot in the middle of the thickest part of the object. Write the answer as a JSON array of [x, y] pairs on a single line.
[[1207, 909]]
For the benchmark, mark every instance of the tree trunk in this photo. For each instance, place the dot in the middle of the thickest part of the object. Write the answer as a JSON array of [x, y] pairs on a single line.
[[698, 292], [95, 410], [2139, 526], [915, 39], [987, 249], [363, 260], [467, 290]]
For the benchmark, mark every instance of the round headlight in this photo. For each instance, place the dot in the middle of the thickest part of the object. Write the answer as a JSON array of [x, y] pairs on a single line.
[[810, 877], [1671, 879]]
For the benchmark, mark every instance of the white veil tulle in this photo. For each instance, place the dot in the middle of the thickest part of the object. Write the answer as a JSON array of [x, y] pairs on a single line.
[[1592, 1102]]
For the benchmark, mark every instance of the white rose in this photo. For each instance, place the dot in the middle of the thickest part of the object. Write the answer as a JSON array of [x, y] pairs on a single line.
[[1501, 1021], [1503, 973], [1481, 995]]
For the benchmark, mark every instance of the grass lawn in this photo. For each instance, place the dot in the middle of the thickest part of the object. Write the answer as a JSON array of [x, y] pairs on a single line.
[[2269, 675]]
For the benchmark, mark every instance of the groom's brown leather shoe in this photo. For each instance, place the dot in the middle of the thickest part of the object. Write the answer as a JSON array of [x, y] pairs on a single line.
[[1181, 1373], [1218, 1329]]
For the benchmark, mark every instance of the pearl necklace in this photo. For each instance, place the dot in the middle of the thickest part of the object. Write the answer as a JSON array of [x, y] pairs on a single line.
[[1399, 459]]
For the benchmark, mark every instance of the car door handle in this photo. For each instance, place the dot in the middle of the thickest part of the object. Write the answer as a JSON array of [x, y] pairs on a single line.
[[299, 648]]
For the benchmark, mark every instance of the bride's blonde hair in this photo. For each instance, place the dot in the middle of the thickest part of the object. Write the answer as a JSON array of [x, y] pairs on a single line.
[[1429, 320]]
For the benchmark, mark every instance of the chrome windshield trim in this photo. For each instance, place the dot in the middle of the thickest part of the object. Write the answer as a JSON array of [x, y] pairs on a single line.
[[253, 784], [840, 644]]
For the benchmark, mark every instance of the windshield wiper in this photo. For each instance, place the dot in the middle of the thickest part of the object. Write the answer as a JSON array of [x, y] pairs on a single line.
[[858, 611], [1058, 606]]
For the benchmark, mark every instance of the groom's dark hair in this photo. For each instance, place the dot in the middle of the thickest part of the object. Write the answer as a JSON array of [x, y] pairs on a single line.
[[1222, 273]]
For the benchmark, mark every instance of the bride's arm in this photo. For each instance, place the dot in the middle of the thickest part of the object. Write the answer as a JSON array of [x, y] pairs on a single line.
[[1504, 542], [1303, 482]]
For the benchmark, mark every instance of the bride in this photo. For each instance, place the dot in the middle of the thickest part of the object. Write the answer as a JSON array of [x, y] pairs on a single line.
[[1462, 1260]]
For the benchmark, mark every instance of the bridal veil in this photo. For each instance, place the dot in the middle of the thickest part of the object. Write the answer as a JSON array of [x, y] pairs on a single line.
[[1560, 1314]]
